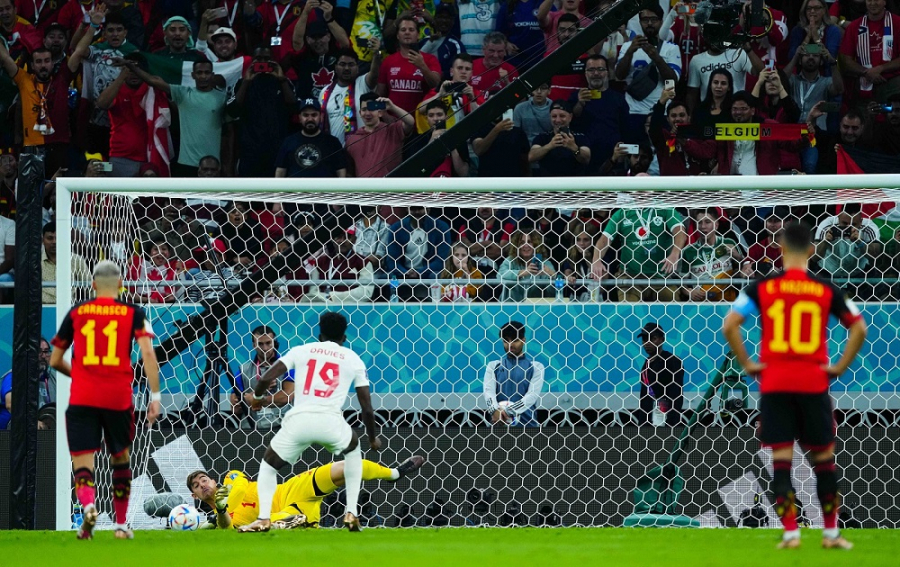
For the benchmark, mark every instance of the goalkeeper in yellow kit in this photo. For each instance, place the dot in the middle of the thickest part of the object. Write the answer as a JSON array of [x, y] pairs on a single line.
[[297, 502]]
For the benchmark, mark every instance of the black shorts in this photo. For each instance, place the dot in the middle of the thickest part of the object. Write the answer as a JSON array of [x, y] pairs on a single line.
[[808, 418], [86, 426]]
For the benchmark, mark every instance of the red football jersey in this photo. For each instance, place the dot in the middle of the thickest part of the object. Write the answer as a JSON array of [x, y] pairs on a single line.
[[103, 332], [794, 307]]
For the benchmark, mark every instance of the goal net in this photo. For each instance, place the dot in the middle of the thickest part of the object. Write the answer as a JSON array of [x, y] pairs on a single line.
[[430, 276]]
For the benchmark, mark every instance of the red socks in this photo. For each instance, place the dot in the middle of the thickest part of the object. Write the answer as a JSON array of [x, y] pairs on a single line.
[[121, 481], [85, 490]]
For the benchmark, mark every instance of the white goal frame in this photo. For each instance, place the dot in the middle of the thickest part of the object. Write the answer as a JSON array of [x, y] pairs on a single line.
[[620, 192]]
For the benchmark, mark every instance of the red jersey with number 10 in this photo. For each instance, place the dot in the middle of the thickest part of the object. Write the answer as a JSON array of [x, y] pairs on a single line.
[[794, 307], [102, 332]]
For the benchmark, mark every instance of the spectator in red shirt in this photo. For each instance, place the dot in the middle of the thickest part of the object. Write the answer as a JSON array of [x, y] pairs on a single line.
[[21, 37], [549, 20], [239, 16], [377, 147], [47, 13], [56, 41], [491, 73], [868, 59], [316, 50], [408, 74], [765, 255], [569, 78], [139, 116], [278, 21], [766, 47], [674, 154]]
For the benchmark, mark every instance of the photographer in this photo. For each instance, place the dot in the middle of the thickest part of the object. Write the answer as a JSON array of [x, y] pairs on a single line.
[[846, 243], [457, 94], [560, 153]]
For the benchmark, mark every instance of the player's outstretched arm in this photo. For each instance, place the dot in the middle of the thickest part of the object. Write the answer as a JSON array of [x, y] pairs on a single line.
[[59, 363], [265, 382], [368, 416], [854, 344], [731, 328], [151, 370], [223, 519]]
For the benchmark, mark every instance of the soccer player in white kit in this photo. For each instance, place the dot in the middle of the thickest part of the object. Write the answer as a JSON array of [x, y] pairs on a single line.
[[324, 372]]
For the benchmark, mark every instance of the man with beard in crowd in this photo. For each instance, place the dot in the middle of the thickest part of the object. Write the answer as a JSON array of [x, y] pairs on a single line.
[[311, 152]]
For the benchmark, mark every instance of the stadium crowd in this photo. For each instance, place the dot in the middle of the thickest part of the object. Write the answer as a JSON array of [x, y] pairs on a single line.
[[318, 89]]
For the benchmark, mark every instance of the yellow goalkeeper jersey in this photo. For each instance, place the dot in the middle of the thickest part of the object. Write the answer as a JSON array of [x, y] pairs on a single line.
[[302, 493]]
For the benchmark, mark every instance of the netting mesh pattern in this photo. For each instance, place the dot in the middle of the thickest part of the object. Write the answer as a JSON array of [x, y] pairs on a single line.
[[426, 293]]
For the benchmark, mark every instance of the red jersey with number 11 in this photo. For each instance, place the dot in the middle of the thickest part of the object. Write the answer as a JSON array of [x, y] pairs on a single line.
[[794, 307], [102, 332]]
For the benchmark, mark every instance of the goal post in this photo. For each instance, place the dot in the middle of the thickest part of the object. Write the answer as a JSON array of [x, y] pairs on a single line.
[[426, 354]]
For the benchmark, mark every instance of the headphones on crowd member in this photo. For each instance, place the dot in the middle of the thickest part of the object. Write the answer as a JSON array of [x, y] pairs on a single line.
[[266, 330]]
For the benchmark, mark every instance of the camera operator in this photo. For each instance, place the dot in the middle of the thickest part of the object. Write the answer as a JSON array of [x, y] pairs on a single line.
[[846, 243], [767, 37], [457, 94]]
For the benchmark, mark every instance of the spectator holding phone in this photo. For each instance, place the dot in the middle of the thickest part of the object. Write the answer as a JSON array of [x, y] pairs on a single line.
[[851, 133], [526, 267], [456, 163], [888, 132], [814, 28], [810, 86], [457, 94], [599, 111], [560, 153], [405, 76], [263, 103], [376, 148], [674, 152]]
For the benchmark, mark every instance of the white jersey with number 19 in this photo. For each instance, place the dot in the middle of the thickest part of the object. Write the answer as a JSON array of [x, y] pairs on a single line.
[[323, 375]]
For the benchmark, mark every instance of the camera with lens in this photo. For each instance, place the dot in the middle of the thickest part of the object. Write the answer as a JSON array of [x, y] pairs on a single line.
[[734, 405]]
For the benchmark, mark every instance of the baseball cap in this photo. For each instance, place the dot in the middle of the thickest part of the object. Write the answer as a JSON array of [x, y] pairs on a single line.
[[310, 102], [55, 26], [317, 29], [224, 31], [560, 104], [649, 330]]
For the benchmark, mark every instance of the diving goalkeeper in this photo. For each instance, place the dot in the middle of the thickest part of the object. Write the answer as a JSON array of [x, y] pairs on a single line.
[[297, 502]]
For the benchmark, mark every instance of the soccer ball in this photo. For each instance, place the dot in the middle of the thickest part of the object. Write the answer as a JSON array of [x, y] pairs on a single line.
[[509, 420], [185, 518]]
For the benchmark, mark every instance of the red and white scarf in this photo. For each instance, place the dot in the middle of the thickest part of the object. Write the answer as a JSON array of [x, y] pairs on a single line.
[[863, 52]]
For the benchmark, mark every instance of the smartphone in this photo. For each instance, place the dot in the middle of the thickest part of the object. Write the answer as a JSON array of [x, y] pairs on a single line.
[[670, 84], [105, 166], [377, 105], [220, 12], [813, 48], [507, 115], [442, 125], [830, 107], [565, 130], [684, 9], [262, 67], [631, 149], [886, 108], [536, 259], [362, 41], [596, 95], [770, 65]]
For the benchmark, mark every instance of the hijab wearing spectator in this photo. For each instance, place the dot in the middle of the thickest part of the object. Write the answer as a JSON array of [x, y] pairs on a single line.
[[178, 19]]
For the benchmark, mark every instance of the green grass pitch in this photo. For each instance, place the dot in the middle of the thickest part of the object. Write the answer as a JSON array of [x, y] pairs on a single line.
[[613, 547]]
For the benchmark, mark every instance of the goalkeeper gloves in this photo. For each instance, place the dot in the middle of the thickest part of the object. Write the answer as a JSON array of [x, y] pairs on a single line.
[[222, 498]]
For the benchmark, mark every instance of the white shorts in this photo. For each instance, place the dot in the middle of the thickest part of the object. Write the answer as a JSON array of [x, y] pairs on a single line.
[[300, 430]]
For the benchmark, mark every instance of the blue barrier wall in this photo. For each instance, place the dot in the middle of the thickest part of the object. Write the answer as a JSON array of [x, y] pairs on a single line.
[[435, 348]]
